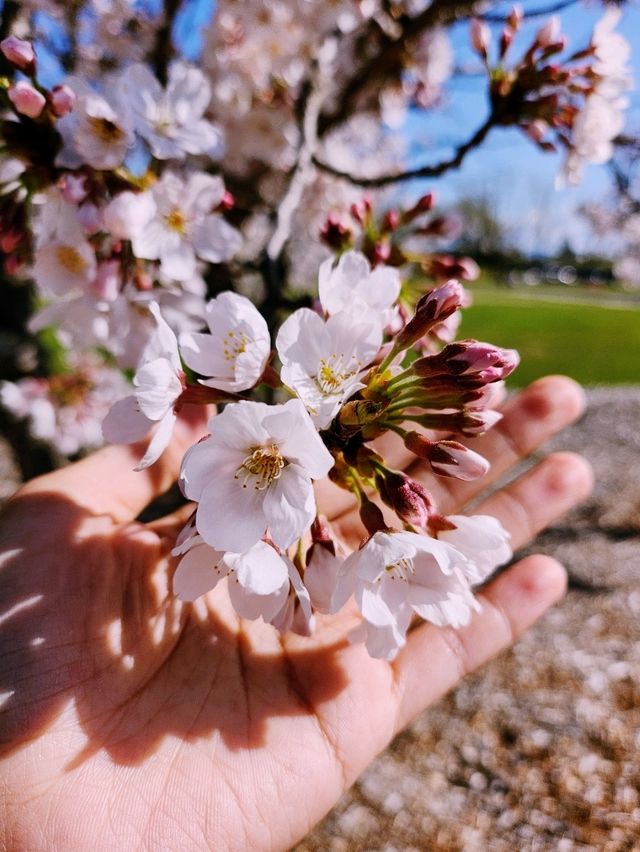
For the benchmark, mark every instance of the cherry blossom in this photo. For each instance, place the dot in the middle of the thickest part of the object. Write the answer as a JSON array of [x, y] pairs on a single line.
[[235, 353], [184, 227], [482, 539], [254, 472], [171, 120], [397, 574], [96, 131], [324, 362], [159, 383], [353, 287]]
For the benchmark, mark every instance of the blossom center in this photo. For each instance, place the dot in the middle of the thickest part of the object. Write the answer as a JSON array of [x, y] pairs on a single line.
[[401, 570], [176, 220], [105, 130], [69, 389], [333, 373], [263, 466], [71, 260], [234, 344]]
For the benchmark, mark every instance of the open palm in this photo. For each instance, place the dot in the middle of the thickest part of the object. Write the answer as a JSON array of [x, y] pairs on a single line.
[[130, 720]]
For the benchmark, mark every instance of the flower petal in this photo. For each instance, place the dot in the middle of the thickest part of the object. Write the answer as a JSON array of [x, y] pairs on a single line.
[[229, 516], [125, 423], [198, 572], [159, 442], [289, 506]]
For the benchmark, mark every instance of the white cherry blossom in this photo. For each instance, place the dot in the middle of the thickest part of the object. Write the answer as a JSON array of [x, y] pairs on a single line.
[[261, 582], [254, 472], [324, 362], [64, 261], [396, 574], [483, 540], [184, 227], [352, 286], [233, 356], [171, 120], [96, 131], [158, 383]]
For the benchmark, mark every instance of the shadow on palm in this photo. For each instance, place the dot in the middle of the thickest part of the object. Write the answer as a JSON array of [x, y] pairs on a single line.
[[100, 629]]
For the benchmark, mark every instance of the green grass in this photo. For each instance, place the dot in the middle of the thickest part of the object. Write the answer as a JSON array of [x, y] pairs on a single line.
[[595, 342]]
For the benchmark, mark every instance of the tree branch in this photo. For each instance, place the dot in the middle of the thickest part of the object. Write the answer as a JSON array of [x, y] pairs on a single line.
[[386, 60], [163, 50], [538, 12], [427, 171]]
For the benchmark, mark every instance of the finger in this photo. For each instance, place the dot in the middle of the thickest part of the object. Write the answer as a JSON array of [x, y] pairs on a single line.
[[435, 659], [530, 418], [536, 414], [105, 483], [536, 499]]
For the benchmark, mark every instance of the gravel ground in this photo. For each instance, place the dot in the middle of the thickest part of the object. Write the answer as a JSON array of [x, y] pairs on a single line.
[[540, 750]]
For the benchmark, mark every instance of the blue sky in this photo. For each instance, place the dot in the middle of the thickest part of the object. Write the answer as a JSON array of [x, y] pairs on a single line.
[[512, 171], [509, 169]]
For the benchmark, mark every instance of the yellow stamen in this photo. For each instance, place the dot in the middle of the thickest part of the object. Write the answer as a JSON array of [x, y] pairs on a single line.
[[176, 220], [105, 130], [264, 464], [71, 260]]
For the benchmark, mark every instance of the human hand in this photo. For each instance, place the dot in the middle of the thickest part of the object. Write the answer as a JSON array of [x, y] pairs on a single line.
[[131, 720]]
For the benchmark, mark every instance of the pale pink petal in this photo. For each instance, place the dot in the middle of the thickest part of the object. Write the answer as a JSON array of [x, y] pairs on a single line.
[[125, 423], [198, 572]]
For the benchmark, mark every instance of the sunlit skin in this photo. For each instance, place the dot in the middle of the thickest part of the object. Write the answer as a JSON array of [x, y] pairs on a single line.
[[131, 721]]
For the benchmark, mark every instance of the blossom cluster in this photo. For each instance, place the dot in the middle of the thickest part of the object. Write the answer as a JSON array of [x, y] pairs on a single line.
[[577, 102], [347, 379], [117, 219]]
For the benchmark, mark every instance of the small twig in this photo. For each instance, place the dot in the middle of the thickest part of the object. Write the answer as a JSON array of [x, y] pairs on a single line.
[[538, 12], [427, 171]]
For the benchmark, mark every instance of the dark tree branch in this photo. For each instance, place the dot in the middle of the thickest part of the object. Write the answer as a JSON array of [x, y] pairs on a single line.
[[384, 52], [163, 49], [427, 171], [537, 12]]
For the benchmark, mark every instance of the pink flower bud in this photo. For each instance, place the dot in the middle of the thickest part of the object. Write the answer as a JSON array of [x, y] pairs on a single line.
[[422, 205], [391, 220], [381, 252], [480, 37], [19, 53], [434, 307], [549, 32], [336, 232], [449, 227], [321, 532], [409, 500], [361, 210], [447, 266], [372, 517], [484, 361], [63, 100], [515, 17], [10, 240], [478, 422], [227, 202], [26, 100], [450, 458]]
